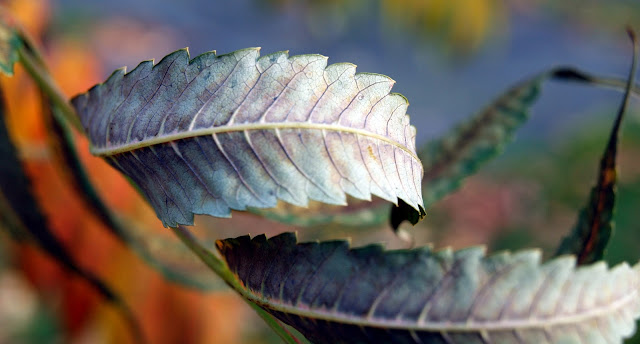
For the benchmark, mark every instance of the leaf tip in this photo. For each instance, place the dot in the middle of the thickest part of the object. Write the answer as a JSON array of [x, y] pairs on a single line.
[[405, 212], [406, 100], [118, 73], [631, 33], [219, 244]]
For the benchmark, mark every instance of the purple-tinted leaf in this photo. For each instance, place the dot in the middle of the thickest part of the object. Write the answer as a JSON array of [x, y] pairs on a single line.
[[335, 294], [233, 131]]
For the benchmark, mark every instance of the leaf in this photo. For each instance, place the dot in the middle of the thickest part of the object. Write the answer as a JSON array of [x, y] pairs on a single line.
[[458, 154], [10, 43], [238, 130], [334, 294], [590, 235], [24, 217]]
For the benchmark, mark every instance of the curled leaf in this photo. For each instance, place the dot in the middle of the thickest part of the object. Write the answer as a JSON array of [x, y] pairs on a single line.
[[233, 131], [590, 235], [334, 294]]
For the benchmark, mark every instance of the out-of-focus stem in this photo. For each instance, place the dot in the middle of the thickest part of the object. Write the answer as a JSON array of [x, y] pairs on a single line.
[[42, 77]]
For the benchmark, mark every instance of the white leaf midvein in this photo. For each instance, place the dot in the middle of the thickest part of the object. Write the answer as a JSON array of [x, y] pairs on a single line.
[[127, 147], [467, 326]]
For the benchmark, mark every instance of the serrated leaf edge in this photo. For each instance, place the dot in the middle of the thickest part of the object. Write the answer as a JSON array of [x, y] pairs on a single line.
[[468, 326]]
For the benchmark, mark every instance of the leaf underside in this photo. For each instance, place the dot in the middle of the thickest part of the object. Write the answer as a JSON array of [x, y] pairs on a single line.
[[334, 294], [238, 130]]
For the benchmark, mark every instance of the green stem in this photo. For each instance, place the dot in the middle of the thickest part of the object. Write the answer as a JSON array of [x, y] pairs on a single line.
[[211, 260], [220, 267], [42, 77], [275, 325], [577, 75]]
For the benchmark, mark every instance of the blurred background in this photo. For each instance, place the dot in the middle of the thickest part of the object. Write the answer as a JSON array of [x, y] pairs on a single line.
[[449, 58]]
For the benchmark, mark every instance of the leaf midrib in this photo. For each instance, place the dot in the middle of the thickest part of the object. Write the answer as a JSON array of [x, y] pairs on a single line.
[[467, 326], [127, 147]]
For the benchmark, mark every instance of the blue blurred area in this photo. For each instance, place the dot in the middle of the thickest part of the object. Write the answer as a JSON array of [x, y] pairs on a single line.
[[441, 88]]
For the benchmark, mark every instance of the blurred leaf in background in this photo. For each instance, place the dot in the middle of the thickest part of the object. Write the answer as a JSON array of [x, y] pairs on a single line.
[[560, 176], [523, 198]]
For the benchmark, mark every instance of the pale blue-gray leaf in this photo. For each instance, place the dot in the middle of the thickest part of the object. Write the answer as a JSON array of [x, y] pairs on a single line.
[[239, 130]]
